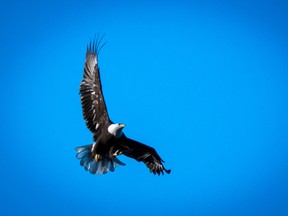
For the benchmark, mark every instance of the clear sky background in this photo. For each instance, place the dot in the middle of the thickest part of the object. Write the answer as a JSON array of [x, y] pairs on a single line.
[[203, 82]]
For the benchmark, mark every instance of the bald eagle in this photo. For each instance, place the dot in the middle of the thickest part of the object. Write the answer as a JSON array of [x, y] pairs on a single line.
[[109, 139]]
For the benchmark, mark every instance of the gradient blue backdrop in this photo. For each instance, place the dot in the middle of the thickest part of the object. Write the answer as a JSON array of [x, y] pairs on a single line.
[[204, 83]]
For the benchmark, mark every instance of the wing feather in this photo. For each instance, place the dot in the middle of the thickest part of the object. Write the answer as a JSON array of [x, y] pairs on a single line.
[[93, 104], [142, 153]]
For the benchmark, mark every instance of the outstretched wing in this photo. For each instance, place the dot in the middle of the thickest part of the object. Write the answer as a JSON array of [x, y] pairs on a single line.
[[142, 153], [93, 105]]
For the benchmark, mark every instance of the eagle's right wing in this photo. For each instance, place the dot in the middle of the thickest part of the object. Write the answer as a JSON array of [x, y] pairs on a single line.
[[93, 105]]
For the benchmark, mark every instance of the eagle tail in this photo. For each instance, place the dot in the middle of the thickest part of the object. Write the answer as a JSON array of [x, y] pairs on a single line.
[[99, 166]]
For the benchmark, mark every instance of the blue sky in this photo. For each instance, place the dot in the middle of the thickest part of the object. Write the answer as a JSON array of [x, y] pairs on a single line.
[[203, 82]]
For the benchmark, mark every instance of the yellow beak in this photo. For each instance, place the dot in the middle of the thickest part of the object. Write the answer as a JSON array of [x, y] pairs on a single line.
[[122, 125]]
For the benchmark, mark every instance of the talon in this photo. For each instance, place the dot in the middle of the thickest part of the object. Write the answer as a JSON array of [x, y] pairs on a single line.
[[118, 152], [97, 157]]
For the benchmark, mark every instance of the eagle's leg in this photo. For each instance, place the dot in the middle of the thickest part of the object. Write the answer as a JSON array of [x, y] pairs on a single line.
[[95, 152]]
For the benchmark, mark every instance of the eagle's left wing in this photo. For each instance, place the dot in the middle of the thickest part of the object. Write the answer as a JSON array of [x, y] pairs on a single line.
[[142, 153]]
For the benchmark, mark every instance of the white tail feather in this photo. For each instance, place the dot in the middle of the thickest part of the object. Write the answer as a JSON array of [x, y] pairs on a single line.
[[89, 163]]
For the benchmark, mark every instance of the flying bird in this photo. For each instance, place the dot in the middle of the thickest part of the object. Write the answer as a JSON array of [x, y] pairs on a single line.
[[109, 139]]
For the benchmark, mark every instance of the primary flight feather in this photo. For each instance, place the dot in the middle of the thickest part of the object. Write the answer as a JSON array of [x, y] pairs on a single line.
[[109, 140]]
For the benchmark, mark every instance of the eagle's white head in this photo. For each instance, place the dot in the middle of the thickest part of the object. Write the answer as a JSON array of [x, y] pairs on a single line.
[[116, 129]]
